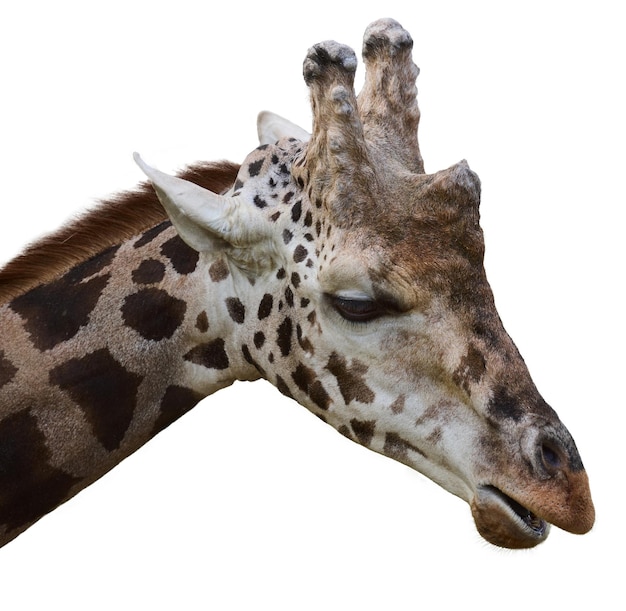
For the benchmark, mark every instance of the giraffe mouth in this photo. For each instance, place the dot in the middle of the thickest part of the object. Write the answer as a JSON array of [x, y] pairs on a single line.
[[505, 522]]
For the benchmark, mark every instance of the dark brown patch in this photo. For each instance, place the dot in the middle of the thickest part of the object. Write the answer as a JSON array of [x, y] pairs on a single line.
[[104, 389], [289, 297], [153, 313], [346, 432], [236, 309], [259, 339], [265, 307], [7, 370], [398, 448], [259, 202], [282, 387], [397, 407], [350, 379], [211, 355], [176, 402], [219, 271], [255, 167], [149, 271], [249, 359], [54, 312], [202, 322], [296, 211], [183, 258], [30, 485], [300, 253], [93, 265], [152, 233], [470, 370], [306, 380], [364, 430], [295, 280], [283, 339], [304, 342], [505, 405], [113, 222]]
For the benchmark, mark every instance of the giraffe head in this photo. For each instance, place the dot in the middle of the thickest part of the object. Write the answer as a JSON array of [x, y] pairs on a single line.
[[360, 291]]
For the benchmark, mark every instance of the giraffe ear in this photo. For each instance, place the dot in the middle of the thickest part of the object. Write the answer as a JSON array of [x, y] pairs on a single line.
[[272, 127], [208, 221]]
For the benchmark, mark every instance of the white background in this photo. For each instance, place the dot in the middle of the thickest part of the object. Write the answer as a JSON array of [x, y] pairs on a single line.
[[249, 502]]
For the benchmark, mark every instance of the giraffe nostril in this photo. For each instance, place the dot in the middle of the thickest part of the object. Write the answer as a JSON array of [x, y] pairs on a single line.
[[550, 457]]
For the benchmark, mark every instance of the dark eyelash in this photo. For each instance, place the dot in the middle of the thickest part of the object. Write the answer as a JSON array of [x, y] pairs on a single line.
[[356, 310]]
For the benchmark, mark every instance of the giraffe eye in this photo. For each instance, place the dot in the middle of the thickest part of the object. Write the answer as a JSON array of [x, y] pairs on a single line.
[[356, 310]]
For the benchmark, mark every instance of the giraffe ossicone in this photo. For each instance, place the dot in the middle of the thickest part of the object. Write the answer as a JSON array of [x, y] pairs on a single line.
[[328, 264]]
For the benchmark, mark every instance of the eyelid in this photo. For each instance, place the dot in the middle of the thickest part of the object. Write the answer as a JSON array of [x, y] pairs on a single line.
[[352, 295], [361, 310]]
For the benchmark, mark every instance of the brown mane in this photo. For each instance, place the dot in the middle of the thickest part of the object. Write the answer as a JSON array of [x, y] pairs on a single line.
[[111, 222]]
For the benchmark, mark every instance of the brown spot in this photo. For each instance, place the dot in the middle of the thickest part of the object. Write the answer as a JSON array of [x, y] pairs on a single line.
[[236, 309], [183, 258], [246, 355], [470, 370], [211, 355], [255, 167], [306, 380], [7, 370], [259, 202], [54, 312], [504, 405], [149, 272], [265, 307], [397, 407], [304, 342], [31, 486], [202, 322], [296, 211], [300, 253], [283, 339], [152, 233], [153, 313], [219, 271], [289, 297], [346, 432], [176, 402], [259, 339], [94, 265], [350, 379], [398, 448], [104, 389], [282, 387], [364, 430]]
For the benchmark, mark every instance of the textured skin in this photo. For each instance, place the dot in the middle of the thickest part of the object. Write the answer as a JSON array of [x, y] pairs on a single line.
[[99, 358]]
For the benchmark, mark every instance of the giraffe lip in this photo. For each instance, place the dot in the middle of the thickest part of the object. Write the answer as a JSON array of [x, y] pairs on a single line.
[[505, 522], [531, 521]]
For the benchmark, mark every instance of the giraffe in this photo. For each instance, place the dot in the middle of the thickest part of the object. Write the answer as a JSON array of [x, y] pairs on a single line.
[[329, 264]]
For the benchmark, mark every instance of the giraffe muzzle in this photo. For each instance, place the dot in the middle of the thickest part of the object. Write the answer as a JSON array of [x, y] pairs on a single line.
[[546, 485]]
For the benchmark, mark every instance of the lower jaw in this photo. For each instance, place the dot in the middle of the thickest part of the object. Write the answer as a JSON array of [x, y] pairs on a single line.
[[504, 522]]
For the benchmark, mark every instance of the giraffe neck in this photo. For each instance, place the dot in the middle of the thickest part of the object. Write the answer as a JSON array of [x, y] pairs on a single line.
[[98, 361]]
